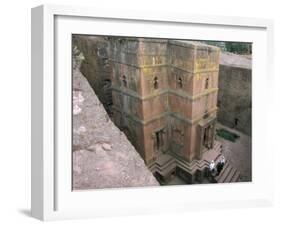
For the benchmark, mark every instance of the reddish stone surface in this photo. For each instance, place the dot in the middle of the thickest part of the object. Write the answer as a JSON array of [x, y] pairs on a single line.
[[170, 86]]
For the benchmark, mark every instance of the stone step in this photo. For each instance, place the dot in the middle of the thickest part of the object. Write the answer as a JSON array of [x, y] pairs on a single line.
[[152, 167], [164, 163], [223, 175], [163, 159], [212, 154], [185, 167], [192, 168], [167, 170], [235, 177], [217, 146], [230, 175]]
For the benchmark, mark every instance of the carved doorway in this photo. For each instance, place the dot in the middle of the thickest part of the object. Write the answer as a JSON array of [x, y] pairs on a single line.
[[159, 141], [208, 137]]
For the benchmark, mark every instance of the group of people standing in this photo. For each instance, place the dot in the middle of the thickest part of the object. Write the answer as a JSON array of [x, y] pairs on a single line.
[[215, 169]]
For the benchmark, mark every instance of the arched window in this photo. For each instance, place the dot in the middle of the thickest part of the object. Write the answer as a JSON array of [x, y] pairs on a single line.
[[206, 83], [155, 83], [180, 83], [124, 81]]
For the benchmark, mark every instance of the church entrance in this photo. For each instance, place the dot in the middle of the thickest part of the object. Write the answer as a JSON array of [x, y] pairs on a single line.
[[208, 137], [206, 132], [159, 142]]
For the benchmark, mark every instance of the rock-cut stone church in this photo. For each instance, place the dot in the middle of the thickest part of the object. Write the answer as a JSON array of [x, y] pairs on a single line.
[[164, 98]]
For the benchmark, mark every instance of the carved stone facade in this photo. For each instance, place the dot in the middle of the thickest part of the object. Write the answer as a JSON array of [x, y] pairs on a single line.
[[164, 96]]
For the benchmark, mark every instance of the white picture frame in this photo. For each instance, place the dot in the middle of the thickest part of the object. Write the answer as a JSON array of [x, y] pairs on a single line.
[[52, 197]]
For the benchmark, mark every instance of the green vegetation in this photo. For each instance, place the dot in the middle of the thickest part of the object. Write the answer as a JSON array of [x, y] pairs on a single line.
[[225, 134], [238, 47], [233, 47]]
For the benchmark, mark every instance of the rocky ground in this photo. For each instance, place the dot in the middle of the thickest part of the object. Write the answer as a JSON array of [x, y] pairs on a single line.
[[244, 61], [102, 155]]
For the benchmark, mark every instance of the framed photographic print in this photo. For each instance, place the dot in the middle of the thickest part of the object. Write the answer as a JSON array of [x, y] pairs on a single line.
[[135, 112]]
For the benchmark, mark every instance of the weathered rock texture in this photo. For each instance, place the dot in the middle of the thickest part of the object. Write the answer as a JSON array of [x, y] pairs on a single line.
[[163, 94], [234, 96], [96, 66], [102, 155]]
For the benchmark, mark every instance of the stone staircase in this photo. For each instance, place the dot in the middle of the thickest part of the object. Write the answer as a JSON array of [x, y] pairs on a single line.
[[166, 164], [228, 174], [213, 154]]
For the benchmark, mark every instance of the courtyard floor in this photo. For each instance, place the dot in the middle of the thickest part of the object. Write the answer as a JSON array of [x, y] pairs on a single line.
[[238, 153]]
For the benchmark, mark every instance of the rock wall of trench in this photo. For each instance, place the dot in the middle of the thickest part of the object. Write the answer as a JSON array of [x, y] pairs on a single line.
[[235, 93], [102, 155], [96, 66]]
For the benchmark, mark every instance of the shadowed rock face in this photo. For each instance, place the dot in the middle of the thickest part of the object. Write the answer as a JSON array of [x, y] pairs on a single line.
[[96, 65], [102, 155], [235, 96]]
